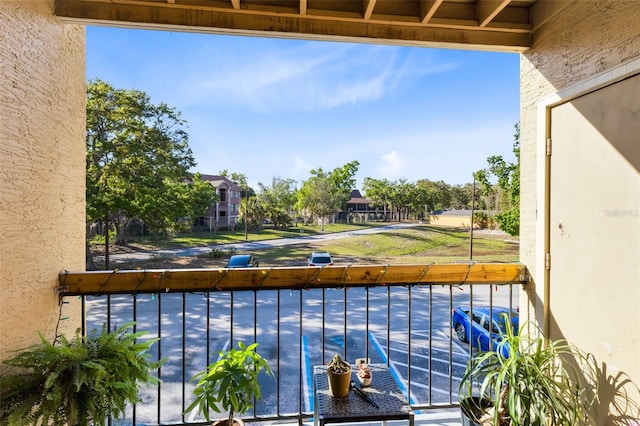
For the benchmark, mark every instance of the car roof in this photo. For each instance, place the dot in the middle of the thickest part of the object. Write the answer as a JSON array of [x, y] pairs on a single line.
[[320, 253], [496, 310], [240, 256]]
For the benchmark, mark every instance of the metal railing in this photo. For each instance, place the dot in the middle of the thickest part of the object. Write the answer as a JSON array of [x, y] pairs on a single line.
[[406, 326]]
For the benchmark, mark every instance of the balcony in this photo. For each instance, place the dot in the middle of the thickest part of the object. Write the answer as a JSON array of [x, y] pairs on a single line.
[[397, 315]]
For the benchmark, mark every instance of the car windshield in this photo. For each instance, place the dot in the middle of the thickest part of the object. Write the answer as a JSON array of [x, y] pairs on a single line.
[[239, 260]]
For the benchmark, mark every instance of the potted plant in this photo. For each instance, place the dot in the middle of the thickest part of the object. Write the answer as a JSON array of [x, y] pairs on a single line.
[[339, 376], [230, 383], [527, 380], [85, 380]]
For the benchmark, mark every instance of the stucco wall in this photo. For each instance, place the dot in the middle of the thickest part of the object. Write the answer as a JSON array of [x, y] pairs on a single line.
[[42, 197], [584, 40], [450, 221]]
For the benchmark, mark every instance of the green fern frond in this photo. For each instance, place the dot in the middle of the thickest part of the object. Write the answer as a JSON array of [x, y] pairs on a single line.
[[80, 381]]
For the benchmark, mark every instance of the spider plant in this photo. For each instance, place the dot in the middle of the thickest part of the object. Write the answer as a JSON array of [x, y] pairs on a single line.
[[528, 380]]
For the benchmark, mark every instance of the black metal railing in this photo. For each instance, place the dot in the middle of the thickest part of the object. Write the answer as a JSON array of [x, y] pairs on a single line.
[[408, 327]]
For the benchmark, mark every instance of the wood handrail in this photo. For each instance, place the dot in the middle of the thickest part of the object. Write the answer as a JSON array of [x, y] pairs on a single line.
[[284, 278]]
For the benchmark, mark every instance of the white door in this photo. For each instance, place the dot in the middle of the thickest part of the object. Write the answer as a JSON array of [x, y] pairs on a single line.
[[595, 222]]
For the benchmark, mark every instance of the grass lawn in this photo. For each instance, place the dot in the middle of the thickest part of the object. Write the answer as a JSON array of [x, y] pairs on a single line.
[[422, 244], [267, 233]]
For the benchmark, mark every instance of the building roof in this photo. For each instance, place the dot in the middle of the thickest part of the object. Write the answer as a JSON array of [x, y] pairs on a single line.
[[218, 181], [357, 198]]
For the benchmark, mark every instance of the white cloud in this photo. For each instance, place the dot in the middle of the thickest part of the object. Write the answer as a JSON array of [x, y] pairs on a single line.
[[394, 165], [300, 76]]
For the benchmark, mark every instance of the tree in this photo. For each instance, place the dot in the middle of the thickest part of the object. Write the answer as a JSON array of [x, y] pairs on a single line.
[[377, 190], [343, 180], [138, 162], [277, 200], [508, 175], [317, 197], [460, 196], [323, 194]]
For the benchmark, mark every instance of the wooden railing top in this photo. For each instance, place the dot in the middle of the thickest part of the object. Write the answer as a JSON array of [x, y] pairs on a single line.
[[205, 280]]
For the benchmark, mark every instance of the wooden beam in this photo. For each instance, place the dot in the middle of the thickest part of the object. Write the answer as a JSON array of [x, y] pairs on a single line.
[[543, 10], [235, 4], [486, 10], [428, 8], [252, 23], [303, 7], [204, 280], [368, 8]]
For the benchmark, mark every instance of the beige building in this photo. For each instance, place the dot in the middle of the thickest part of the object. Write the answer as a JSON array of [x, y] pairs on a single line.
[[224, 212], [580, 144]]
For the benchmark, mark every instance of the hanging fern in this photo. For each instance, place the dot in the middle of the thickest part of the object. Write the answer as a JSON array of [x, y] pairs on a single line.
[[79, 382]]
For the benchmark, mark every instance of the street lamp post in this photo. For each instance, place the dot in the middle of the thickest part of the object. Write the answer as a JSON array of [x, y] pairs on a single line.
[[246, 214], [473, 199]]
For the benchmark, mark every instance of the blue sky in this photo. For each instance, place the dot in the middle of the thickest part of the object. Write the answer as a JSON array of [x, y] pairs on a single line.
[[276, 107]]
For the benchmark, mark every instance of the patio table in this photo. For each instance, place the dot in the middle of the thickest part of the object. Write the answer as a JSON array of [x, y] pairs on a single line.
[[384, 391]]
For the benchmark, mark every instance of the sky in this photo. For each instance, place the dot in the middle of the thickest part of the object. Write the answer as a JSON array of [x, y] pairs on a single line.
[[268, 107]]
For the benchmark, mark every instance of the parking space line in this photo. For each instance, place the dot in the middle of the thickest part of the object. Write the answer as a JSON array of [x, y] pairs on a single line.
[[307, 383], [392, 368]]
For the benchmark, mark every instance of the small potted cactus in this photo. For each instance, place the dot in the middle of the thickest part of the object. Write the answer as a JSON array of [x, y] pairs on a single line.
[[339, 376]]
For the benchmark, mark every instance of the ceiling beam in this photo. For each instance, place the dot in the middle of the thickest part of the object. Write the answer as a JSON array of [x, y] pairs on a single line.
[[428, 8], [486, 10], [543, 10], [286, 25], [368, 8]]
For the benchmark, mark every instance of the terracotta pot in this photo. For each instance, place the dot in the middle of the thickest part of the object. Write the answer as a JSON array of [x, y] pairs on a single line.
[[339, 383]]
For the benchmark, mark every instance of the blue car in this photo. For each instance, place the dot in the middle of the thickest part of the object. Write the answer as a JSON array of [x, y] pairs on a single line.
[[487, 328], [242, 261]]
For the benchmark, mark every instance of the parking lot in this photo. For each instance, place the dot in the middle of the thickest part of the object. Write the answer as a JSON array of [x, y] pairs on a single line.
[[408, 328]]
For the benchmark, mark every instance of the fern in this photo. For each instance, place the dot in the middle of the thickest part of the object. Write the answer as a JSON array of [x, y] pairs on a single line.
[[81, 381]]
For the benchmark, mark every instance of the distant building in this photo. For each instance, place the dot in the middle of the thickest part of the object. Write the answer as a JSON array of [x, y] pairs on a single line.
[[361, 209], [455, 218], [224, 212]]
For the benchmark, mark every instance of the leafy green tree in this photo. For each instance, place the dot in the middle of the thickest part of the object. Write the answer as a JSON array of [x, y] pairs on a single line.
[[325, 193], [508, 175], [138, 162], [377, 191], [278, 200], [178, 205], [343, 181], [317, 197], [400, 197], [460, 196], [420, 201], [252, 213]]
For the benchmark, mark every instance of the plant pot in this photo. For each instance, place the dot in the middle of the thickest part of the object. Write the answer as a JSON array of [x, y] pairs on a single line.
[[339, 383], [225, 422], [472, 409]]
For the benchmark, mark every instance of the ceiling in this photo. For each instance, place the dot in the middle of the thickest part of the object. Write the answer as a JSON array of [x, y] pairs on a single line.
[[498, 25]]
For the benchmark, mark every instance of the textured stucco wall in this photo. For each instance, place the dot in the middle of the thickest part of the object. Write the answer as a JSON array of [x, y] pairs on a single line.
[[42, 196], [584, 40]]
